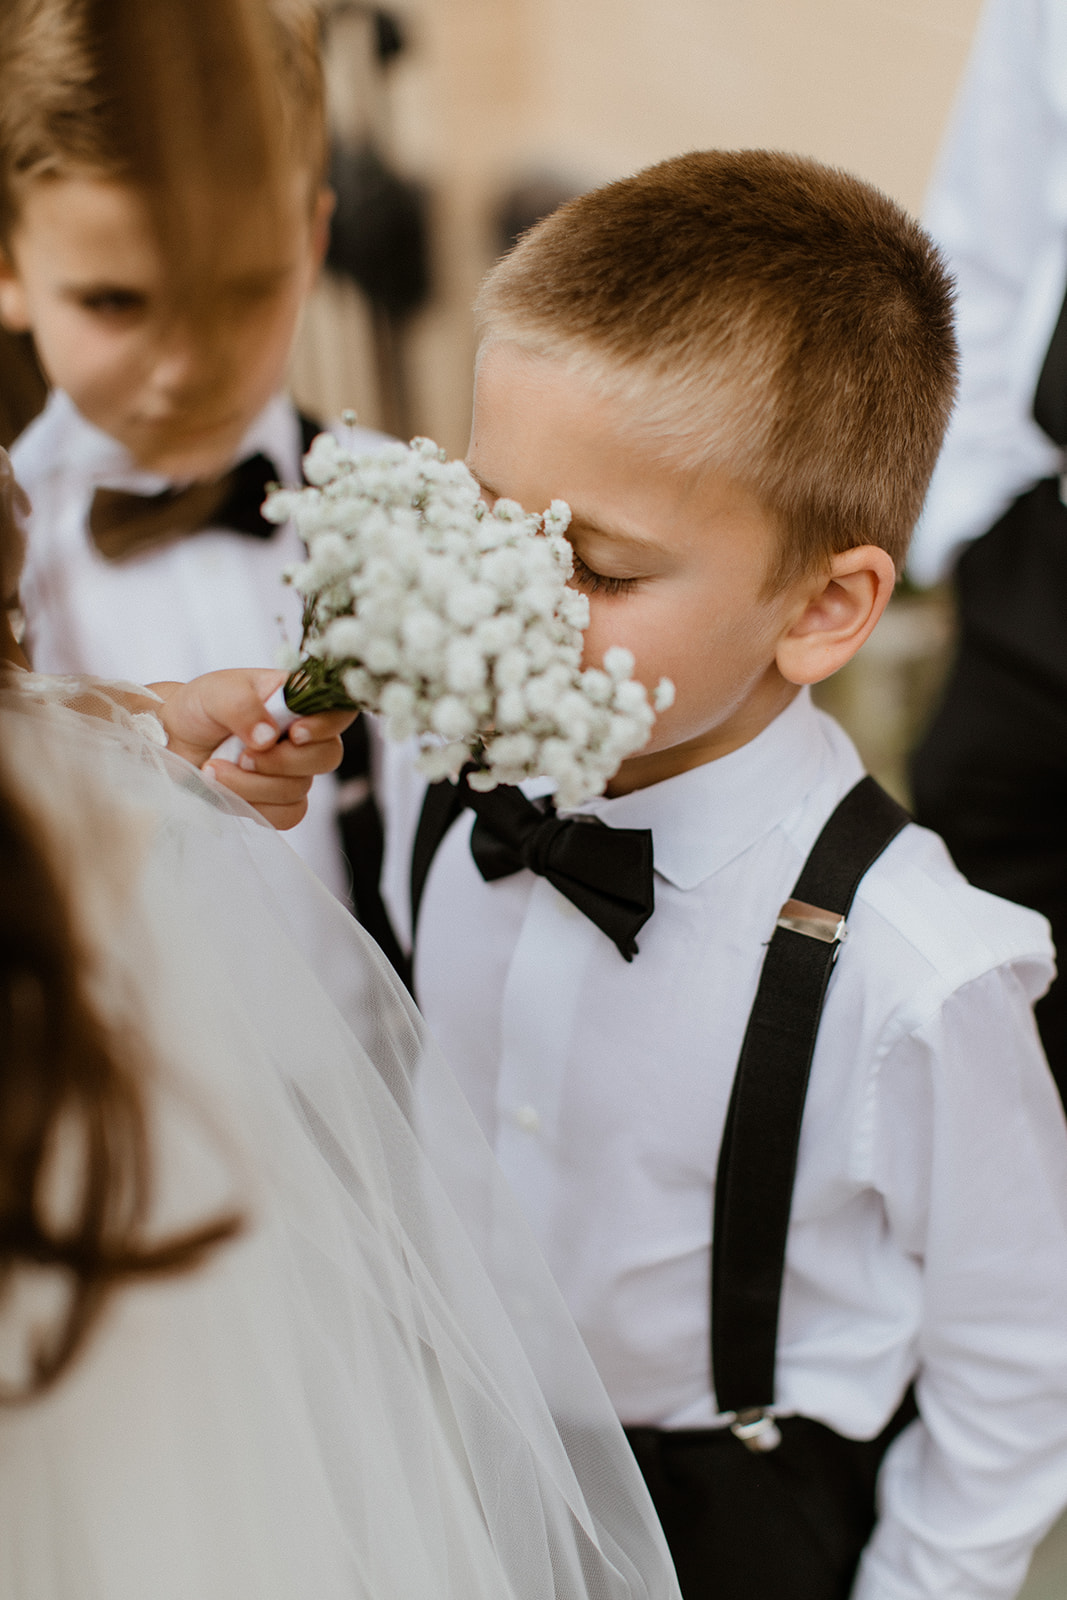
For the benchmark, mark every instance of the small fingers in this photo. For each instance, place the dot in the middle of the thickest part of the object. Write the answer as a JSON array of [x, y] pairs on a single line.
[[325, 726], [284, 817], [275, 797], [287, 759]]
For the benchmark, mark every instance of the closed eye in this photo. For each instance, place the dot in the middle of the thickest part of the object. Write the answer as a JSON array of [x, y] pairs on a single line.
[[598, 582]]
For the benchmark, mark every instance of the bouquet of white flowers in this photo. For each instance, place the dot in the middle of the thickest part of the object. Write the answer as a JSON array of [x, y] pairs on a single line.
[[454, 623]]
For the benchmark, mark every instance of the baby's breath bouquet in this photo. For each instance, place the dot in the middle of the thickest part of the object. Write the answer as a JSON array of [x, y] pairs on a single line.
[[453, 622]]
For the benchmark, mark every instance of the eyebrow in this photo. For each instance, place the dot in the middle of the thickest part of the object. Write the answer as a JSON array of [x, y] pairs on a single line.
[[261, 278], [80, 286], [582, 523]]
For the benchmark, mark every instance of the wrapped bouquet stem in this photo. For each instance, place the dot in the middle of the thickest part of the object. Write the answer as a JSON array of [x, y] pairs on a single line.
[[454, 623]]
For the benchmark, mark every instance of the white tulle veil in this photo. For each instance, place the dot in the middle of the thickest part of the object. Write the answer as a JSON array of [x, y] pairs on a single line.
[[375, 1391]]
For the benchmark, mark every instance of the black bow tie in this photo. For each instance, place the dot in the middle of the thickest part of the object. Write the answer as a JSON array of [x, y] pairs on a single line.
[[124, 524], [605, 872]]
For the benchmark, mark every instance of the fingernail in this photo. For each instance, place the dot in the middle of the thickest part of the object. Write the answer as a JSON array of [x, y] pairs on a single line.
[[245, 762], [299, 734], [209, 771], [263, 733]]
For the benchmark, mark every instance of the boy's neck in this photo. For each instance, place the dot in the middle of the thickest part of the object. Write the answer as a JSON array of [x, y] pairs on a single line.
[[743, 725], [263, 422]]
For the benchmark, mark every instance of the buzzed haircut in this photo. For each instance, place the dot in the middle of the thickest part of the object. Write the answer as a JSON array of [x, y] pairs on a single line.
[[178, 96], [762, 313]]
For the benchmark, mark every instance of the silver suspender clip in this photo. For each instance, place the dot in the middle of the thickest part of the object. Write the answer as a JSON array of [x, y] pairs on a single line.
[[829, 927], [756, 1429]]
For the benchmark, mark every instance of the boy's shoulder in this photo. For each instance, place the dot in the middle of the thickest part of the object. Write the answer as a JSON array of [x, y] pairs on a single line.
[[59, 442], [917, 930], [926, 932]]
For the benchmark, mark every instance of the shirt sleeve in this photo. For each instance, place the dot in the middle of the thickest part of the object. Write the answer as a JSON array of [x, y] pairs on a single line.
[[998, 208], [971, 1157]]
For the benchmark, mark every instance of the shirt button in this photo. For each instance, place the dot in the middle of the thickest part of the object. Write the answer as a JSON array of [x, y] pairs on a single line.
[[529, 1118]]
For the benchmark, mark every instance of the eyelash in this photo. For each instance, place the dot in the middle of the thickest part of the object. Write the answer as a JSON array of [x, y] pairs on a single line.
[[599, 582], [112, 304]]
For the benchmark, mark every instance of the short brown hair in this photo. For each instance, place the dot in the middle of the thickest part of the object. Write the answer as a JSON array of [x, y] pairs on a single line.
[[777, 317], [158, 92]]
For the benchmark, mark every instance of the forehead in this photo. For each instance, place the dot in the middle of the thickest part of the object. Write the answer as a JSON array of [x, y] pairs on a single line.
[[539, 424], [90, 228], [94, 221], [542, 431]]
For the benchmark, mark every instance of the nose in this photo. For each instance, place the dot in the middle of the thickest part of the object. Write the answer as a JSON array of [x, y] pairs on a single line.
[[185, 361]]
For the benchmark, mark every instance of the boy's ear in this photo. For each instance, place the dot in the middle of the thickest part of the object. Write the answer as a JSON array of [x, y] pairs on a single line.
[[836, 612], [14, 311]]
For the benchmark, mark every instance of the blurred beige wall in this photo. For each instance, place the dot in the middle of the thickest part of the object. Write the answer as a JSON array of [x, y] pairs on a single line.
[[492, 91]]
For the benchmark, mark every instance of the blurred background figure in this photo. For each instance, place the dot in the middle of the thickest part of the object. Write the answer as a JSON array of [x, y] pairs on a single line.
[[991, 772], [379, 239], [158, 261]]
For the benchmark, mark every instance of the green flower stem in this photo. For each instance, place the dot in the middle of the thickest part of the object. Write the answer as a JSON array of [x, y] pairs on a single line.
[[316, 686]]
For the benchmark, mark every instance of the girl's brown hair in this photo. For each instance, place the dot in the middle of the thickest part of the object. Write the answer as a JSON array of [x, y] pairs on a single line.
[[68, 1085], [70, 1088]]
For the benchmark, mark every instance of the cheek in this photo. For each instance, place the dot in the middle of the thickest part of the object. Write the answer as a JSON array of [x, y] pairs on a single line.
[[650, 627], [713, 652], [259, 345], [664, 627], [82, 359], [271, 327], [609, 624]]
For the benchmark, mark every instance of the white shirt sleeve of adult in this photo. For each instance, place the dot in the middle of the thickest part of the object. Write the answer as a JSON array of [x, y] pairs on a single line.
[[998, 208], [970, 1154]]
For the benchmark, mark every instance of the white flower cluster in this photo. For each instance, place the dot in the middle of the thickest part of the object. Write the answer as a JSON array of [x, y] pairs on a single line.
[[455, 623]]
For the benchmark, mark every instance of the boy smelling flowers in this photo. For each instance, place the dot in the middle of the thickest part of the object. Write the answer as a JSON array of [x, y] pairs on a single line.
[[736, 369]]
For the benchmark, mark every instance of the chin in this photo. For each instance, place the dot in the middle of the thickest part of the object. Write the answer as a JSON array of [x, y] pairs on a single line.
[[194, 457]]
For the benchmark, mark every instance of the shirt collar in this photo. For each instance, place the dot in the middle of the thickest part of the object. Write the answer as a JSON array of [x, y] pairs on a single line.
[[705, 817], [61, 436]]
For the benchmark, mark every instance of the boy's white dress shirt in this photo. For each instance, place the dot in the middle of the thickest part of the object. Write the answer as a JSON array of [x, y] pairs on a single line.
[[929, 1222], [205, 602], [998, 208]]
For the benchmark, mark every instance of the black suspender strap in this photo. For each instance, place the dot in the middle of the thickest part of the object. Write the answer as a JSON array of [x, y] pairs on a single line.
[[1050, 396], [757, 1162]]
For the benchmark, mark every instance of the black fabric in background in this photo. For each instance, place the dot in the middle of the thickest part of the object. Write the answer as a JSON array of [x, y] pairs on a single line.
[[990, 773]]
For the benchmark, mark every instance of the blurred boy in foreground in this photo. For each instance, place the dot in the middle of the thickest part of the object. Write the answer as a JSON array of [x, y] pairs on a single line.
[[162, 217]]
